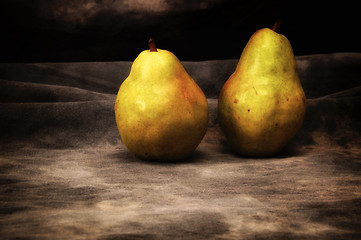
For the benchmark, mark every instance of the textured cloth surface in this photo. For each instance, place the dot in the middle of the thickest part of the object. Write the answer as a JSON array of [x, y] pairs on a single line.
[[64, 173]]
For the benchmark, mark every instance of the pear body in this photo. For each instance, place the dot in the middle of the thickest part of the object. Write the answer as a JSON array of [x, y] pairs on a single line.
[[262, 104], [161, 112]]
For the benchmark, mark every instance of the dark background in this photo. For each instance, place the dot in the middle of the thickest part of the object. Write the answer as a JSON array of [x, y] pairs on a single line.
[[114, 30]]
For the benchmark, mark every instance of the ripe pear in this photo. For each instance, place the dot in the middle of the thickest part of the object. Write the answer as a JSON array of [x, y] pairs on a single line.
[[161, 113], [262, 104]]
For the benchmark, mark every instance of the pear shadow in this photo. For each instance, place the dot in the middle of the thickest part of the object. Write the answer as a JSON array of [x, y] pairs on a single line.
[[233, 156], [220, 152], [299, 145], [290, 150], [227, 150], [124, 155], [195, 157]]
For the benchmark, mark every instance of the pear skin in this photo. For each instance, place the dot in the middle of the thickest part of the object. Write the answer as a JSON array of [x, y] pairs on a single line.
[[161, 113], [262, 105]]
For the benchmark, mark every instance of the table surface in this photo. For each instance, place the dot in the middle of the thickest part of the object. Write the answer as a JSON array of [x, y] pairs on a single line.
[[110, 194]]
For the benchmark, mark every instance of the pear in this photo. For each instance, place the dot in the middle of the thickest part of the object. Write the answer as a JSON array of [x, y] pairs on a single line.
[[161, 113], [262, 105]]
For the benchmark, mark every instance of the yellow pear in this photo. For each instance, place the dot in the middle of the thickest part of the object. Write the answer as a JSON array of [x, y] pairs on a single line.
[[161, 112], [262, 104]]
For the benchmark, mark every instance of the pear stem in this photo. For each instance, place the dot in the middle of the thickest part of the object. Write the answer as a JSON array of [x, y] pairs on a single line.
[[152, 46], [277, 24]]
